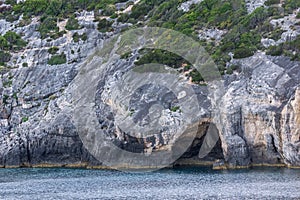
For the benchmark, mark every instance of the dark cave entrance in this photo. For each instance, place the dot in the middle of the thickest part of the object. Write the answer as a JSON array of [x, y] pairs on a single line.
[[191, 156]]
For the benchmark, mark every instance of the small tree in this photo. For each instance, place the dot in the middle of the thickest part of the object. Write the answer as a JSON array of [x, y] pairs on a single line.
[[105, 26], [243, 52], [12, 37], [47, 26], [55, 7], [3, 43], [13, 41], [72, 24], [53, 50], [4, 57], [35, 7], [58, 59]]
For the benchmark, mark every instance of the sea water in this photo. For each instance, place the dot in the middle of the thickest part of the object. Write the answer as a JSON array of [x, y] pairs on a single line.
[[178, 183]]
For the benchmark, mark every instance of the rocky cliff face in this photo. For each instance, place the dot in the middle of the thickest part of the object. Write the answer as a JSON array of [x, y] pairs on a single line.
[[260, 112], [258, 118], [34, 129]]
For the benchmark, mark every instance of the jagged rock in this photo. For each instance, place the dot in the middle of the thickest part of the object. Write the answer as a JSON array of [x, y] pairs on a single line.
[[259, 122], [268, 42], [185, 7], [214, 34], [5, 26], [290, 126], [288, 25], [258, 109], [256, 106], [253, 4]]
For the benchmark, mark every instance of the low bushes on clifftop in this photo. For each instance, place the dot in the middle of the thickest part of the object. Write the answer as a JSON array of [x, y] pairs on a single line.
[[57, 59]]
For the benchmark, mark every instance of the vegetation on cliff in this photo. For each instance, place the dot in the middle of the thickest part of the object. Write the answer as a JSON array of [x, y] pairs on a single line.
[[10, 42], [57, 59], [242, 36], [244, 31]]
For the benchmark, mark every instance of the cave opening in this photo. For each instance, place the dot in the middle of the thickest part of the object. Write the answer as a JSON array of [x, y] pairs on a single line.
[[191, 155]]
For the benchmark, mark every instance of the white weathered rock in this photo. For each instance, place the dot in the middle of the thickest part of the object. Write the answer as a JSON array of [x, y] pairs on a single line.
[[288, 24], [213, 33], [185, 7], [267, 42], [26, 106], [253, 4], [4, 122], [5, 26], [258, 110]]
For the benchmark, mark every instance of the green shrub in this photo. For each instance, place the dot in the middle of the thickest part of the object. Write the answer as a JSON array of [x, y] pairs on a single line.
[[293, 45], [25, 119], [53, 50], [229, 71], [11, 2], [276, 34], [60, 8], [175, 109], [160, 56], [139, 11], [292, 48], [48, 27], [109, 10], [13, 41], [124, 17], [233, 68], [7, 83], [275, 50], [84, 37], [114, 16], [72, 24], [289, 48], [77, 37], [12, 17], [57, 59], [25, 64], [196, 76], [257, 17], [55, 7], [105, 26], [57, 35], [187, 68], [24, 22], [243, 52], [275, 12], [5, 98], [4, 57], [265, 29], [290, 5], [3, 43], [34, 7], [249, 39]]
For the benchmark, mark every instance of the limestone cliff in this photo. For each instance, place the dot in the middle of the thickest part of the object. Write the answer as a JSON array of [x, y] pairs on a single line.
[[260, 118], [258, 123]]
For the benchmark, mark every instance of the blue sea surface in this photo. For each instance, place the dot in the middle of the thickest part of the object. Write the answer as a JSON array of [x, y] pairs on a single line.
[[178, 183]]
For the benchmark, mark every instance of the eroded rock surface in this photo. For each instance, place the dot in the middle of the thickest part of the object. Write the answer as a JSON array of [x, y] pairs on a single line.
[[185, 6], [258, 121], [258, 124]]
